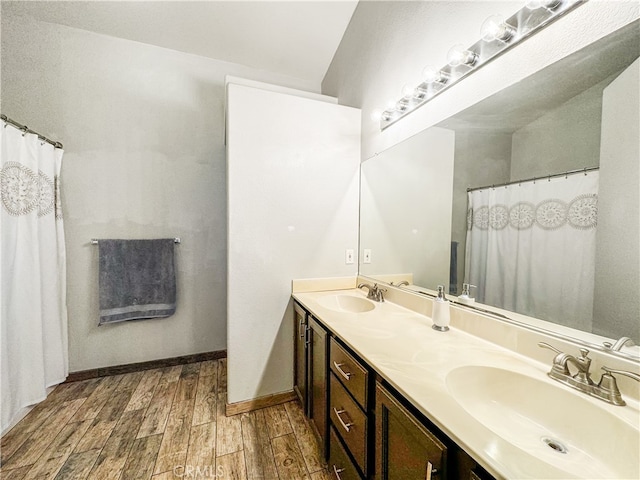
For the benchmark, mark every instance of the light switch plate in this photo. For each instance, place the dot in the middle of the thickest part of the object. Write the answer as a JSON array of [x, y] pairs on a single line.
[[349, 256], [366, 255]]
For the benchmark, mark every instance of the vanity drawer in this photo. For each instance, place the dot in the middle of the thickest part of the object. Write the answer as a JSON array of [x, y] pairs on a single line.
[[340, 466], [349, 421], [350, 372]]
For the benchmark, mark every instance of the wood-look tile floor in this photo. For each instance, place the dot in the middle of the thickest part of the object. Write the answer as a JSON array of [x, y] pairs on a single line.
[[162, 424]]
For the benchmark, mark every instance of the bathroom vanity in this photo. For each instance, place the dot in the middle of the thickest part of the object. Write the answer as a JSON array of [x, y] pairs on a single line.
[[391, 398], [372, 429]]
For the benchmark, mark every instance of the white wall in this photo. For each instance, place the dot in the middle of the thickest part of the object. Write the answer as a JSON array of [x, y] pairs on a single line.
[[566, 138], [388, 44], [618, 236], [293, 166], [144, 157], [404, 220]]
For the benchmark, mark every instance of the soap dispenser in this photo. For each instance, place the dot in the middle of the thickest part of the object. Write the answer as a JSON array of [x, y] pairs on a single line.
[[440, 314], [465, 297]]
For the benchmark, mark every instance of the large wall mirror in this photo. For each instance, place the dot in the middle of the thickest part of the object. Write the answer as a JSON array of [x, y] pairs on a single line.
[[532, 195]]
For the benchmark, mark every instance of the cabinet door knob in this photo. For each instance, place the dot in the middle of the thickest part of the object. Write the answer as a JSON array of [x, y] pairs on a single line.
[[347, 426], [337, 471], [338, 366]]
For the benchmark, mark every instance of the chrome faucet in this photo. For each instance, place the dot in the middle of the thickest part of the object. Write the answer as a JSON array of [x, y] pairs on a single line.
[[621, 342], [375, 292], [607, 389]]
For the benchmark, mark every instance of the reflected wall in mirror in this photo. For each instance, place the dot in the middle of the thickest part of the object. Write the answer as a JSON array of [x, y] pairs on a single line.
[[581, 112]]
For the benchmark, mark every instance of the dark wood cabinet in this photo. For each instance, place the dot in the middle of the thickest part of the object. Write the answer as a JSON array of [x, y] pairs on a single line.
[[405, 448], [340, 465], [310, 372], [317, 379], [350, 422], [351, 372], [300, 354]]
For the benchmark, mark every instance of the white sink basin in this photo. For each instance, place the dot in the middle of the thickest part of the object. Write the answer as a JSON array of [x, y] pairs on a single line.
[[346, 303], [548, 422]]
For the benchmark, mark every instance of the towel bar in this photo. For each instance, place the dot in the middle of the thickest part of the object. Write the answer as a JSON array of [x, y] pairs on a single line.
[[95, 241]]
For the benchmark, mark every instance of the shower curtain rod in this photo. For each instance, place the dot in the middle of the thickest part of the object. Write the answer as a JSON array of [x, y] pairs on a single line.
[[26, 129], [533, 179]]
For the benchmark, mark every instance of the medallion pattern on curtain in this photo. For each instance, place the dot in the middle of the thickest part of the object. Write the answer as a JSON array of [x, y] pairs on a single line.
[[531, 247], [33, 317]]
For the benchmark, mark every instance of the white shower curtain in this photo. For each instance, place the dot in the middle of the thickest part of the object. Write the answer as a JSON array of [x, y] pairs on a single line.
[[33, 317], [531, 247]]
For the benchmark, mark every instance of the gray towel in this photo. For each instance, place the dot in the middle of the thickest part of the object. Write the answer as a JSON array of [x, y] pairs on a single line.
[[137, 279]]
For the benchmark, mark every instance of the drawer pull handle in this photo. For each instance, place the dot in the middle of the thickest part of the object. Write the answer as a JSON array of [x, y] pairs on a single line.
[[337, 471], [338, 366], [347, 426], [307, 340], [431, 471], [301, 328]]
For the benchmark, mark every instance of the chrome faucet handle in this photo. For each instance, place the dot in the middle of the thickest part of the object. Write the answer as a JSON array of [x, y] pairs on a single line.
[[550, 347], [633, 375], [608, 386]]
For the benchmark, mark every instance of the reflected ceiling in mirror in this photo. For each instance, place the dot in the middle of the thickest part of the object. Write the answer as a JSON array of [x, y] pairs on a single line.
[[579, 112]]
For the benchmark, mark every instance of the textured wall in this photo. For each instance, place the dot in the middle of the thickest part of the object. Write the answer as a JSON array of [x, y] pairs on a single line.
[[143, 130], [566, 138]]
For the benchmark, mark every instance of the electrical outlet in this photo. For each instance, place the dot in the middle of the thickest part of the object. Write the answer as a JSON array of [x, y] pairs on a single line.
[[366, 255], [349, 256]]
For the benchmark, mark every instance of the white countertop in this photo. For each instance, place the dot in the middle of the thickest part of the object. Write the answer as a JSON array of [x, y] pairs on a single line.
[[403, 348]]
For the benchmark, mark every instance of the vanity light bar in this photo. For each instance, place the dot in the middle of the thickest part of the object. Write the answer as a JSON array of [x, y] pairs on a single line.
[[497, 36]]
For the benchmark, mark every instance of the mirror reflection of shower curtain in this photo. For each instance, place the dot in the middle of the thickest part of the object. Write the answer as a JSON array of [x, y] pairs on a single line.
[[531, 247], [33, 316]]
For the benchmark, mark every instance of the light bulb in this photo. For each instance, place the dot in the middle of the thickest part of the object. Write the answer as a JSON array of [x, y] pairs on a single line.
[[433, 75], [376, 115], [407, 91], [391, 105], [495, 28], [386, 116], [459, 55]]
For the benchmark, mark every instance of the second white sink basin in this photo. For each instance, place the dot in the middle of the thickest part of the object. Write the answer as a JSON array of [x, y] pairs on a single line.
[[551, 423], [346, 303]]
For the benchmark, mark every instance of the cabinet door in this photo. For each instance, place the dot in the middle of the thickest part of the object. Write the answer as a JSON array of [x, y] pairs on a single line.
[[317, 381], [404, 447], [300, 353]]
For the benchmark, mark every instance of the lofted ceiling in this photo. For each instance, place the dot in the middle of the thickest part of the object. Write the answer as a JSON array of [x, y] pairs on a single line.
[[294, 38]]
